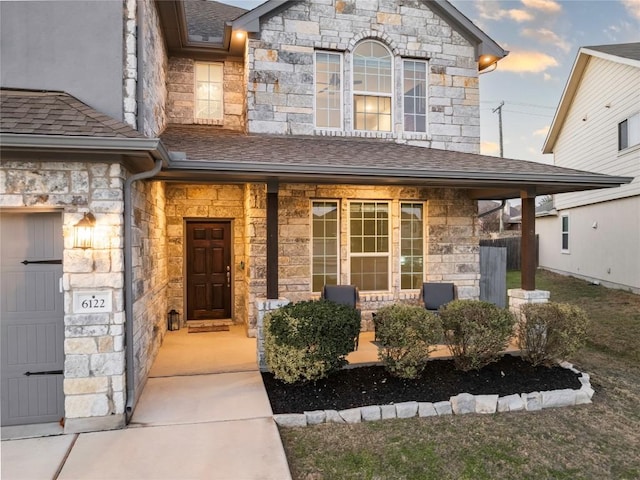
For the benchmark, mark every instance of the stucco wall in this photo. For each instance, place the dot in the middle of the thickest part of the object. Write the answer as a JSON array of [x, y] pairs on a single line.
[[216, 202], [609, 253], [181, 95], [73, 46], [94, 376], [281, 68]]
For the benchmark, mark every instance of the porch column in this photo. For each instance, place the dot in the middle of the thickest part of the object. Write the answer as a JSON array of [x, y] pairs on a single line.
[[528, 250], [272, 240]]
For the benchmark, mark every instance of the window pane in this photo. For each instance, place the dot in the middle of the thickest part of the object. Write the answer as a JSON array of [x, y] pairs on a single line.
[[328, 90], [411, 245], [209, 91], [325, 234], [370, 273], [415, 95]]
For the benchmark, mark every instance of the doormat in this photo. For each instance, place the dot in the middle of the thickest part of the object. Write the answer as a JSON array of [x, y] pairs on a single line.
[[208, 328]]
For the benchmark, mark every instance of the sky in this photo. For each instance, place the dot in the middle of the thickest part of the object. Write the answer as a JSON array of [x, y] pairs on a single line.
[[543, 38]]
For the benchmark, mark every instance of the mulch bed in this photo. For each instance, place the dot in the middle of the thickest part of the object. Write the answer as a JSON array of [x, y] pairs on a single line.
[[361, 386]]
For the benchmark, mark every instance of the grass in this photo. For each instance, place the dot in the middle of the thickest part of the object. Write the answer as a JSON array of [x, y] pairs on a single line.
[[601, 440]]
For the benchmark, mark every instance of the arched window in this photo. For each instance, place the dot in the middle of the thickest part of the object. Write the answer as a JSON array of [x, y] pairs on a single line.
[[372, 87]]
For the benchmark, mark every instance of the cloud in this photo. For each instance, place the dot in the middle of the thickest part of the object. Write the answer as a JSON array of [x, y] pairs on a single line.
[[546, 77], [490, 10], [541, 132], [623, 32], [633, 7], [546, 36], [547, 6], [527, 62], [489, 148]]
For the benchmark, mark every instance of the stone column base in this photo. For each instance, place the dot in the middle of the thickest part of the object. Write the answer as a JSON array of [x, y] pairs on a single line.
[[265, 306], [519, 297], [94, 424]]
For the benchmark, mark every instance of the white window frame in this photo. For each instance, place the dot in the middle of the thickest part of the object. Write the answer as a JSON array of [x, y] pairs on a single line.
[[632, 132], [388, 254], [564, 232], [338, 234], [365, 93], [424, 245], [196, 118], [426, 99], [341, 90]]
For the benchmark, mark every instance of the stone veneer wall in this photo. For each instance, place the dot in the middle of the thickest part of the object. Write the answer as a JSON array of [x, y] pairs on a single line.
[[216, 202], [94, 369], [154, 69], [150, 274], [181, 95], [452, 244], [255, 201], [281, 68]]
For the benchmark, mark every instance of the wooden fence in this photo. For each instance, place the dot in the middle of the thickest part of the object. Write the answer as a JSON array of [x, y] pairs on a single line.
[[513, 249]]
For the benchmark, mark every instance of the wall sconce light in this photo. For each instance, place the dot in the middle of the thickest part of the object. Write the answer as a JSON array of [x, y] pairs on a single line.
[[83, 231]]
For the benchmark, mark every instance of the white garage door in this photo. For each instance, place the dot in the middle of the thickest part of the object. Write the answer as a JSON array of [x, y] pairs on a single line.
[[32, 318]]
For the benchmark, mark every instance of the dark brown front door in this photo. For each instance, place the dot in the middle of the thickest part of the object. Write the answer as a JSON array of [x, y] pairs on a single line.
[[208, 270]]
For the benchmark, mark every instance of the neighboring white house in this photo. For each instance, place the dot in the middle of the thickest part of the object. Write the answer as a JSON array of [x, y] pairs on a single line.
[[595, 235]]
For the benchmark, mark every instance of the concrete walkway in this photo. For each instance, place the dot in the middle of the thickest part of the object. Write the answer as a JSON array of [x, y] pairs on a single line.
[[190, 423]]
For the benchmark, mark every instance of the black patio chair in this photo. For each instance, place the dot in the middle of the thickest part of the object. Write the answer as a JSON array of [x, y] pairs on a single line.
[[344, 295], [434, 295]]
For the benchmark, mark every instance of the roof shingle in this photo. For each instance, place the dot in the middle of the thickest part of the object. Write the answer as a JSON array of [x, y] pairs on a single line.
[[32, 112]]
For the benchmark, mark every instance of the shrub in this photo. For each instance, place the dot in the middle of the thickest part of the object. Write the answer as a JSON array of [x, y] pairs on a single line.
[[475, 332], [406, 334], [307, 340], [551, 331]]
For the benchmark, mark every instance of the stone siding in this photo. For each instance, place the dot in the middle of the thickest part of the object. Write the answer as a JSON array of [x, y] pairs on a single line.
[[94, 369], [280, 83], [130, 67], [451, 242], [255, 201], [215, 202], [181, 94], [150, 276]]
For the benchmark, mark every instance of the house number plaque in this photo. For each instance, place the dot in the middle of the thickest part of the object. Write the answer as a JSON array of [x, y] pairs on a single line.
[[91, 302]]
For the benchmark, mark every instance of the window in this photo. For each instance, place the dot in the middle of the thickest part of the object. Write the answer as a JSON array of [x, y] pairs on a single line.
[[565, 233], [415, 96], [369, 245], [411, 245], [325, 234], [629, 132], [372, 87], [328, 90], [209, 93]]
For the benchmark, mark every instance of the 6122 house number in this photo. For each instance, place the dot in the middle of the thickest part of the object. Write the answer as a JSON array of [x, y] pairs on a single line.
[[91, 302]]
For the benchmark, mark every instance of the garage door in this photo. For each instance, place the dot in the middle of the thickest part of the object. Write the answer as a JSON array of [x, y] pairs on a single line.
[[32, 318]]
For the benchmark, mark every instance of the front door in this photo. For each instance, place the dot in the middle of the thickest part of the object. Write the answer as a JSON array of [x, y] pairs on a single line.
[[208, 270], [32, 312]]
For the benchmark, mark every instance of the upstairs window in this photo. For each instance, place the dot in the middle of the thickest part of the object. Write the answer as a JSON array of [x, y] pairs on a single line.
[[328, 90], [372, 87], [629, 132], [209, 94], [415, 96]]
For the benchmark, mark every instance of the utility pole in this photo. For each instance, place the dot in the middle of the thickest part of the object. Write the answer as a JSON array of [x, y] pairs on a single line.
[[499, 110]]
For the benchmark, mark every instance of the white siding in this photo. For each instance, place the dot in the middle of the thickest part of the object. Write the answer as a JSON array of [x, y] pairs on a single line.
[[608, 93], [609, 253]]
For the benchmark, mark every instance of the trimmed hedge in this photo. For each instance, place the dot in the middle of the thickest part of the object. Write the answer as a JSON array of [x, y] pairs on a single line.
[[551, 331], [305, 341], [406, 334], [476, 332]]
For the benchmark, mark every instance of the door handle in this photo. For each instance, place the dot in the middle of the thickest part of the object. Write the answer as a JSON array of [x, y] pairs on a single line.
[[228, 276]]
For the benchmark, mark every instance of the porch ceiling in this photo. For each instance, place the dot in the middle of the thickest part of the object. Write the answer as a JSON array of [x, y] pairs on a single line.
[[208, 154]]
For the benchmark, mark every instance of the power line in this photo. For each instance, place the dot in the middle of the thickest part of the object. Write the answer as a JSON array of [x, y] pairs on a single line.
[[534, 105]]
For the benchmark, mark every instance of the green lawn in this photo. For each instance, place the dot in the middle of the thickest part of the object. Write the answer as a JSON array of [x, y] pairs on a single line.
[[601, 440]]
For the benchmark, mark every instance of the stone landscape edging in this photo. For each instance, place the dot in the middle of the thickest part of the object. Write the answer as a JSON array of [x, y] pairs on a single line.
[[457, 405]]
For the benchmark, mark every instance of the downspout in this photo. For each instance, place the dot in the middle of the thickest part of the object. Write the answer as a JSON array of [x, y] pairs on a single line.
[[128, 214], [128, 283], [489, 212]]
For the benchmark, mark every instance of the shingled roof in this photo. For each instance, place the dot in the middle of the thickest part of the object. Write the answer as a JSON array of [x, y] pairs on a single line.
[[622, 50], [206, 19], [56, 113], [351, 159]]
